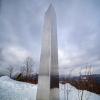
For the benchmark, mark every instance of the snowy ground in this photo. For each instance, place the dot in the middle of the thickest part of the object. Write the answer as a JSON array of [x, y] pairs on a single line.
[[74, 94], [14, 90]]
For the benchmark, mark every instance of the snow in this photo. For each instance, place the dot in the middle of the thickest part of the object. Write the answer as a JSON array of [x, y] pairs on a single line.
[[14, 90], [75, 94]]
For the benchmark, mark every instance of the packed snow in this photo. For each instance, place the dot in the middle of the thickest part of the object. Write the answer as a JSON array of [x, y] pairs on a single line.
[[14, 90], [68, 92]]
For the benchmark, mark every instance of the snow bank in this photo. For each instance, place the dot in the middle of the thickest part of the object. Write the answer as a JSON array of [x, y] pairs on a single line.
[[74, 94], [14, 90]]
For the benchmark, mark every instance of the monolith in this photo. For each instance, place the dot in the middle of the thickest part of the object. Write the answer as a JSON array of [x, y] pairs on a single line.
[[48, 80]]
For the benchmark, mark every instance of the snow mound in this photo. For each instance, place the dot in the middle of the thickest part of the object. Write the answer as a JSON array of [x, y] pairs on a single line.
[[14, 90]]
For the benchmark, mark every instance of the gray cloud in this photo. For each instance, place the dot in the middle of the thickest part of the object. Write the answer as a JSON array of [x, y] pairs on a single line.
[[78, 21]]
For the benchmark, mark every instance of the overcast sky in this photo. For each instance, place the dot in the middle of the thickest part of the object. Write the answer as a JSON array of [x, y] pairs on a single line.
[[78, 26]]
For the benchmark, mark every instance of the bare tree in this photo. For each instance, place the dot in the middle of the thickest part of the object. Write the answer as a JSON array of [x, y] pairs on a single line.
[[69, 88], [28, 66], [23, 70], [10, 69], [84, 82]]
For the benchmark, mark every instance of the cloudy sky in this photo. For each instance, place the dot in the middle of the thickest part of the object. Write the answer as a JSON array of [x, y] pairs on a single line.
[[78, 26]]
